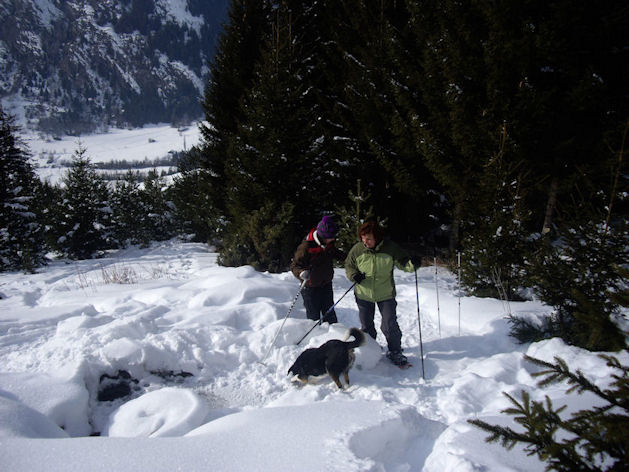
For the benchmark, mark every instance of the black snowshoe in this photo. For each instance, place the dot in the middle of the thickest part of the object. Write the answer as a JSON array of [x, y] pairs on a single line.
[[399, 359]]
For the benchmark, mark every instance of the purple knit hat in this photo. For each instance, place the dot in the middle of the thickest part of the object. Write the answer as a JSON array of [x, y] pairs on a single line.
[[327, 228]]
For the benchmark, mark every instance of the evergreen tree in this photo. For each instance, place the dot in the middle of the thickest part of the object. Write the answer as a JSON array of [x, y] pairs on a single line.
[[399, 182], [579, 277], [352, 216], [442, 97], [129, 218], [337, 157], [570, 97], [21, 231], [157, 209], [50, 198], [579, 272], [498, 241], [545, 77], [551, 71], [237, 53], [272, 158], [84, 227], [590, 440], [260, 240], [195, 215]]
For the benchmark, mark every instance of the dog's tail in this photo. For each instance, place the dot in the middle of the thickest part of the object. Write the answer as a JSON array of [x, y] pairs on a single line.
[[359, 338]]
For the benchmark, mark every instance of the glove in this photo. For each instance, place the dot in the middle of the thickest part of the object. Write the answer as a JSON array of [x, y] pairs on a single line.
[[416, 261], [359, 277], [304, 275]]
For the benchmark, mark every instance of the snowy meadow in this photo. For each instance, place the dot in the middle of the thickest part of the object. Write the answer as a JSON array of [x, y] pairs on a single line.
[[52, 156], [182, 340]]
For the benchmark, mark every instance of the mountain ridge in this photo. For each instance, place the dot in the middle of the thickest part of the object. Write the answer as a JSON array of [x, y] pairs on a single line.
[[71, 67]]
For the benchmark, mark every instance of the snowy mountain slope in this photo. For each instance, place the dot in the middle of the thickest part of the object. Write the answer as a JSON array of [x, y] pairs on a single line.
[[71, 66], [179, 313]]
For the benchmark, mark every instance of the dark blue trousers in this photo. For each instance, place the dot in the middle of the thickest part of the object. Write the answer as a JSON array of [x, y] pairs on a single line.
[[318, 301], [389, 325]]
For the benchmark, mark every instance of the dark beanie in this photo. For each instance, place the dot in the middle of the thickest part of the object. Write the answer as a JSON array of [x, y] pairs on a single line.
[[327, 228]]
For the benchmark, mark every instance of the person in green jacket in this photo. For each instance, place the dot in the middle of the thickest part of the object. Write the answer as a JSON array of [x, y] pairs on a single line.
[[370, 264]]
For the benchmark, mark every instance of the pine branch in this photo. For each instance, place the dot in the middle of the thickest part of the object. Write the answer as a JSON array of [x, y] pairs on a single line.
[[596, 436], [508, 437], [559, 372]]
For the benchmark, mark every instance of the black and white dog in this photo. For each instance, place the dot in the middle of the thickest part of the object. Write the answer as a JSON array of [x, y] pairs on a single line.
[[334, 357]]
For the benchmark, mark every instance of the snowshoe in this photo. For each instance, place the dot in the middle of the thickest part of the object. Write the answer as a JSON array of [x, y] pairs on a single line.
[[398, 359]]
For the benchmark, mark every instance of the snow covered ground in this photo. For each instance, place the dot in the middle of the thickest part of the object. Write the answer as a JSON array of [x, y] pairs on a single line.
[[150, 142], [168, 311]]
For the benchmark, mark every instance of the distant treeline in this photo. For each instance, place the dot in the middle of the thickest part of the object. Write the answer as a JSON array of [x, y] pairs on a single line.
[[137, 176], [171, 160]]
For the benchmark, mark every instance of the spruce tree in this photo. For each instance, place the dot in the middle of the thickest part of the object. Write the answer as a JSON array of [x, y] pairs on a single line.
[[129, 219], [84, 228], [571, 95], [231, 76], [157, 208], [271, 161], [21, 230], [195, 215], [389, 166], [497, 242], [579, 277], [50, 198], [261, 239], [551, 71], [352, 215], [319, 31], [589, 440], [442, 97], [578, 272]]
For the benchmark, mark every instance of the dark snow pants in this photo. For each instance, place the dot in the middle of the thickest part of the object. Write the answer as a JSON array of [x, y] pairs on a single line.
[[389, 325], [318, 301]]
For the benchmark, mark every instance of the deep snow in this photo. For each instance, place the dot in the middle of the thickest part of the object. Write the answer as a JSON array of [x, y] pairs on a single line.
[[64, 327]]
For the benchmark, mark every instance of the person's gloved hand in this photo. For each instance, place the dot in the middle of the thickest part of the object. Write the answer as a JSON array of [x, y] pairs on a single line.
[[304, 275], [359, 277], [416, 261]]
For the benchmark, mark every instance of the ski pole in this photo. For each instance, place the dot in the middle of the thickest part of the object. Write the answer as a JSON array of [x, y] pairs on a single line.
[[326, 313], [458, 256], [437, 290], [282, 325], [419, 323]]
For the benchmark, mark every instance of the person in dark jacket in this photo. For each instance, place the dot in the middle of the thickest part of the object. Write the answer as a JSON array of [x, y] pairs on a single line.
[[370, 263], [314, 263]]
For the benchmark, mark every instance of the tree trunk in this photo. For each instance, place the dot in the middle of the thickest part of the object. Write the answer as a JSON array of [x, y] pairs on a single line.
[[455, 229], [550, 205]]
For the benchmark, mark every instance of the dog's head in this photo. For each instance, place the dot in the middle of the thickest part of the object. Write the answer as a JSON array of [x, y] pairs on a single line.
[[299, 366], [294, 369], [308, 363]]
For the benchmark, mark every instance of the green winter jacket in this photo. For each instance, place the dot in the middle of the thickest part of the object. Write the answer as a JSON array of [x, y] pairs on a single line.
[[377, 264]]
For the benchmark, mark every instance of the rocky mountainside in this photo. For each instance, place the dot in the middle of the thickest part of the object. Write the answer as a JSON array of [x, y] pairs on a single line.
[[82, 65]]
